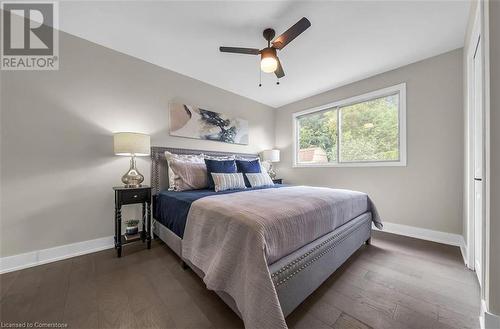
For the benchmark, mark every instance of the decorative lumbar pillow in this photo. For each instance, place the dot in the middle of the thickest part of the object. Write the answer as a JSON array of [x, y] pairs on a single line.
[[188, 175], [198, 158], [219, 166], [248, 167], [260, 180], [223, 182]]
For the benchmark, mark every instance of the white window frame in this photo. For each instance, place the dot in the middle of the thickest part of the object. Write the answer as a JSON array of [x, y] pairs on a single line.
[[399, 89]]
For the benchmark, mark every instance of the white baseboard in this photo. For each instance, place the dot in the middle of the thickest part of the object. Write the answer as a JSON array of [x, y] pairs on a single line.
[[39, 257], [429, 235], [488, 320], [465, 252]]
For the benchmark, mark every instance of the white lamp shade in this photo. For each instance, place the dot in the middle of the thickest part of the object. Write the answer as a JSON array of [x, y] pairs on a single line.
[[132, 144], [271, 155]]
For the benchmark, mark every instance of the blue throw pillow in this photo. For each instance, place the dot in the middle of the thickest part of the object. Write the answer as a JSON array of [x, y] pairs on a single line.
[[248, 167], [220, 167]]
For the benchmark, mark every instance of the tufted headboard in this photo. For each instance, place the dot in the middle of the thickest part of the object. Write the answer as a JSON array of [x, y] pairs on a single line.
[[159, 169]]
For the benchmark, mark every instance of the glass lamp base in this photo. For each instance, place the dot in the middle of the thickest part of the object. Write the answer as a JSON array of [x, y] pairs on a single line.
[[271, 171], [132, 178]]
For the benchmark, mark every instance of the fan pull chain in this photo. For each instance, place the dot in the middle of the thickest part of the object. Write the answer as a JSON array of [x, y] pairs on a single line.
[[260, 78]]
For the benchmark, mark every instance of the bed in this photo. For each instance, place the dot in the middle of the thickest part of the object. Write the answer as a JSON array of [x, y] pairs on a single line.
[[262, 275]]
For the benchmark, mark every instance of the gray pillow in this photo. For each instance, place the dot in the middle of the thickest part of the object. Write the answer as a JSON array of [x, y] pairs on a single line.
[[184, 157], [188, 175]]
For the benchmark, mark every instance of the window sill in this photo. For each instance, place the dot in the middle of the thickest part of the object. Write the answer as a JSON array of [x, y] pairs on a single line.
[[351, 165]]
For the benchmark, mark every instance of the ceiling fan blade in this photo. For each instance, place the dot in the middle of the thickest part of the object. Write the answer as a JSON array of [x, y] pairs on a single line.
[[279, 70], [237, 50], [290, 34]]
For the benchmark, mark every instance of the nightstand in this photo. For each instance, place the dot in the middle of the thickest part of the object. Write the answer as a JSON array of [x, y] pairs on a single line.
[[132, 195], [278, 181]]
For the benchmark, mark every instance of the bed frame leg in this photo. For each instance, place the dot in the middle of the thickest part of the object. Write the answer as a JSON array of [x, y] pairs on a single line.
[[369, 241], [184, 266]]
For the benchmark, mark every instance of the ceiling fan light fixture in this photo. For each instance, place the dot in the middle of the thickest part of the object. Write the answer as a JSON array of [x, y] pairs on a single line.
[[268, 61], [268, 65]]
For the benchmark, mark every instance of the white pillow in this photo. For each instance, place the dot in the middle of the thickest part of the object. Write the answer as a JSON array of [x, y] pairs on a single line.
[[219, 157], [197, 158], [231, 181], [264, 166], [259, 179]]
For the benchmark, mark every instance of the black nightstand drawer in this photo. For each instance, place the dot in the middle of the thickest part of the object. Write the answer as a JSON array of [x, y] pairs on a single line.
[[135, 196]]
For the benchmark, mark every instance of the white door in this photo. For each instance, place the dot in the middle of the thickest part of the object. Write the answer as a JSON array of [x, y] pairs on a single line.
[[478, 146]]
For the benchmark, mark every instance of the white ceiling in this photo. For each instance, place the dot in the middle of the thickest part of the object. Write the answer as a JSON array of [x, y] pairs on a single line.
[[348, 40]]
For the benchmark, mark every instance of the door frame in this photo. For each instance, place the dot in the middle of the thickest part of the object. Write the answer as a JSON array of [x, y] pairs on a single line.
[[477, 33]]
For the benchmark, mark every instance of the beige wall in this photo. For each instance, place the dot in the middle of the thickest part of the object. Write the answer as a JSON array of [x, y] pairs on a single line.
[[428, 192], [57, 162], [494, 227]]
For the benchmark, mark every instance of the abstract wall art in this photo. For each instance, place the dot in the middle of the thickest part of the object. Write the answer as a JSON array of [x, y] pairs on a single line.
[[194, 122]]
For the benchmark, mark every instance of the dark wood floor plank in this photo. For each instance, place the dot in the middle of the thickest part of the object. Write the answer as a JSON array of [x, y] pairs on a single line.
[[16, 304], [49, 302], [381, 304], [420, 249], [413, 319], [6, 281], [81, 301], [423, 293], [348, 322], [217, 312], [437, 282], [458, 319], [114, 310], [82, 271], [395, 283], [147, 307], [423, 268], [381, 292], [304, 320], [318, 308], [468, 295], [179, 303], [27, 280], [361, 311]]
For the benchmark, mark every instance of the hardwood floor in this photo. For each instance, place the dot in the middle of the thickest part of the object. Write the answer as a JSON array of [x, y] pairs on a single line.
[[397, 282]]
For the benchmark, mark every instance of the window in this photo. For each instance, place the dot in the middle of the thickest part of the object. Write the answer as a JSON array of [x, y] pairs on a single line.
[[366, 130]]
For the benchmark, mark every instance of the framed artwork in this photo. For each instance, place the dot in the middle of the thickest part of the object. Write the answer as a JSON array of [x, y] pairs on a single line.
[[194, 122]]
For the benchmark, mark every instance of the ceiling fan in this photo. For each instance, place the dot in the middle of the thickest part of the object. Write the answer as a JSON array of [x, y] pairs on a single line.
[[269, 61]]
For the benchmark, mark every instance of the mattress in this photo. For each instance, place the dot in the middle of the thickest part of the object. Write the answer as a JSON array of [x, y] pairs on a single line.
[[171, 208], [285, 218]]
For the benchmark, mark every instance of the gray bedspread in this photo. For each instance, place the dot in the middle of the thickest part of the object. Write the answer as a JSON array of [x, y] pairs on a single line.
[[233, 237]]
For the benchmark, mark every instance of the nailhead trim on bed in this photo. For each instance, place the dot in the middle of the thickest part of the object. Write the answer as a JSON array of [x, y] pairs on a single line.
[[277, 276]]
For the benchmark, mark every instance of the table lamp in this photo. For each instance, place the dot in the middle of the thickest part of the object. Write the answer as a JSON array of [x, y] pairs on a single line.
[[271, 156], [132, 145]]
